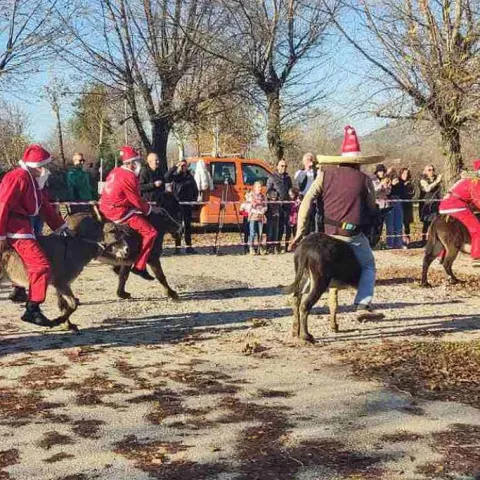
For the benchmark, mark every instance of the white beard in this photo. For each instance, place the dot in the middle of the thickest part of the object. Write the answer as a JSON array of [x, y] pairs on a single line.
[[42, 179], [138, 167]]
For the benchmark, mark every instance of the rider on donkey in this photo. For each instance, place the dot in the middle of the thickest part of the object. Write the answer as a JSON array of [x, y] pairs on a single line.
[[459, 202], [121, 202], [21, 198], [348, 199]]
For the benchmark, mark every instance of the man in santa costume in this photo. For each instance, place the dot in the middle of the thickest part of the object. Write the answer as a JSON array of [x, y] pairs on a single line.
[[21, 198], [122, 202], [459, 202]]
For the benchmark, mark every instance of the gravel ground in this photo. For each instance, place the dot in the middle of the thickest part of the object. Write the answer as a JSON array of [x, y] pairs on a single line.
[[213, 387]]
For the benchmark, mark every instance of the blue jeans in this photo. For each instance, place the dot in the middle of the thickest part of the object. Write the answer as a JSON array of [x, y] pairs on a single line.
[[394, 224], [37, 225], [256, 228], [364, 255]]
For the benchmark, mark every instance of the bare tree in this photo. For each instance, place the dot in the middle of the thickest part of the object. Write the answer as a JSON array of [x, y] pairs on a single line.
[[425, 58], [13, 134], [26, 29], [278, 44], [140, 47], [55, 94]]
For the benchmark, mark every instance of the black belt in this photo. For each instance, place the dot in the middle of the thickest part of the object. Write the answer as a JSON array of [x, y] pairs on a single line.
[[346, 226]]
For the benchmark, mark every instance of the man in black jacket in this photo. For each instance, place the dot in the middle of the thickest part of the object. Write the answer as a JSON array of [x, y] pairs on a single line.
[[185, 190], [151, 179], [282, 183]]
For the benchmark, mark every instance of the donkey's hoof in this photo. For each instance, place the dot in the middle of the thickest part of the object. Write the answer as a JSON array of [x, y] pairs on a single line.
[[72, 327], [425, 285], [307, 339], [173, 295], [124, 295]]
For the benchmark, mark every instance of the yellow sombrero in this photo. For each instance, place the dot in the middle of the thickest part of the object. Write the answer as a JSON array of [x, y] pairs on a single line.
[[350, 152]]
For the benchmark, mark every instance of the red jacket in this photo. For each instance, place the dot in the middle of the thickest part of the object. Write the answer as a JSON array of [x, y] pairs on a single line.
[[463, 195], [21, 198], [121, 196]]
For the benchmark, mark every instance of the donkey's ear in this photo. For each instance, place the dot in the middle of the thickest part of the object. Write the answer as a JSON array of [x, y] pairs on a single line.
[[97, 213]]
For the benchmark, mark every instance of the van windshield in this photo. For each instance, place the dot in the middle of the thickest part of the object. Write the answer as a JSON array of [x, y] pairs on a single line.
[[223, 171]]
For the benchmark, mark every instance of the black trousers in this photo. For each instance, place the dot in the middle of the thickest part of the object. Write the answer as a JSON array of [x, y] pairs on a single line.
[[187, 226], [277, 227]]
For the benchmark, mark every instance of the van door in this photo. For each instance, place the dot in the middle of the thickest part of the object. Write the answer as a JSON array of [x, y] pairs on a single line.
[[225, 179]]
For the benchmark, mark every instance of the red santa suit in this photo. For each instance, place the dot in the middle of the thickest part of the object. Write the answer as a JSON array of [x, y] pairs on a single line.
[[458, 203], [121, 202], [21, 198]]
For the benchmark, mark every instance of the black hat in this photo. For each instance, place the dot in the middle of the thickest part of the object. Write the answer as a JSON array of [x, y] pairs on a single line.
[[380, 168]]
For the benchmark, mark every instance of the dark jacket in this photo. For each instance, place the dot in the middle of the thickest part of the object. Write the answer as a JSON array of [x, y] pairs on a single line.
[[407, 192], [147, 178], [79, 186], [282, 183], [184, 186]]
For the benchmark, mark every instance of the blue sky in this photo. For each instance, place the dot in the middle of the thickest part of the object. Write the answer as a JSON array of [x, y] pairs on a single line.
[[345, 70]]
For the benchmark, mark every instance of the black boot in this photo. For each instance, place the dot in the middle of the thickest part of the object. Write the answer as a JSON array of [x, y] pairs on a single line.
[[34, 315], [143, 274], [18, 295]]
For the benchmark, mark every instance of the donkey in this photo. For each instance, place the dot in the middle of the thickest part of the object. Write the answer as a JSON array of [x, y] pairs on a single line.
[[168, 220], [68, 257], [321, 263], [447, 237]]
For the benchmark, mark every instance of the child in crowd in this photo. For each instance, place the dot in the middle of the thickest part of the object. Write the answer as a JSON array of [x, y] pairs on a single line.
[[273, 222], [294, 195], [256, 215]]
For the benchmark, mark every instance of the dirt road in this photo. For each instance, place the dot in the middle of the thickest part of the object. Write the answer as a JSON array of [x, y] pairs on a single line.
[[213, 387]]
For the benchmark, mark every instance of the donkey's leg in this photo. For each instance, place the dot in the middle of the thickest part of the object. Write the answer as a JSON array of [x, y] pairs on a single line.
[[156, 267], [123, 273], [67, 303], [432, 250], [318, 285], [333, 307], [450, 257]]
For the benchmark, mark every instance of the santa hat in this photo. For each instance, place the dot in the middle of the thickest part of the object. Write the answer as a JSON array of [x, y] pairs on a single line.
[[128, 154], [350, 144], [36, 156], [351, 153], [476, 164]]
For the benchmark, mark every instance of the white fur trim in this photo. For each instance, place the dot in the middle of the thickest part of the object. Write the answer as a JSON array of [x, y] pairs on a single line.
[[452, 210], [22, 236], [35, 165], [134, 159], [130, 213], [149, 209], [351, 154], [61, 228]]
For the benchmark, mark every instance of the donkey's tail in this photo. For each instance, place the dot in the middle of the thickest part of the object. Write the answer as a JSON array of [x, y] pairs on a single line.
[[300, 268]]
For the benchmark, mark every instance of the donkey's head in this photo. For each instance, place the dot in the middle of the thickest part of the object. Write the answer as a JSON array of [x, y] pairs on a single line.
[[170, 217]]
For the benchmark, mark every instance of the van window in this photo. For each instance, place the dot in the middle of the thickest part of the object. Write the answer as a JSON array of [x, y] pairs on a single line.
[[254, 173], [222, 171]]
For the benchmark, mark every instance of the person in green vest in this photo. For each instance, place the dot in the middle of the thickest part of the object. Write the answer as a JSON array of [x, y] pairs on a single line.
[[79, 186]]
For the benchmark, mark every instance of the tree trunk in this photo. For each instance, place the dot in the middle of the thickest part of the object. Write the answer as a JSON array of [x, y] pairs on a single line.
[[60, 135], [453, 155], [160, 132], [274, 128]]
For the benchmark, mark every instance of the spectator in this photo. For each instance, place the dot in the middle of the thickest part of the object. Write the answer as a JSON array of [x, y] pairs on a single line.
[[151, 179], [244, 211], [79, 186], [430, 194], [294, 207], [382, 185], [282, 183], [185, 189], [273, 221], [394, 217], [256, 216], [304, 179], [407, 192]]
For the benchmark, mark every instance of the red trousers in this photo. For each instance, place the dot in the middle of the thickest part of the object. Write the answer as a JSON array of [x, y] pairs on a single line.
[[148, 233], [37, 266], [473, 226]]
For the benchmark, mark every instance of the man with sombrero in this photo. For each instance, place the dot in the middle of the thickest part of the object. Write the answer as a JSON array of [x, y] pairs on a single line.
[[348, 199]]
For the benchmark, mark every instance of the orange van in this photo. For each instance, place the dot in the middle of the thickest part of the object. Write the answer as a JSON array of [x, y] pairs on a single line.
[[232, 178]]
